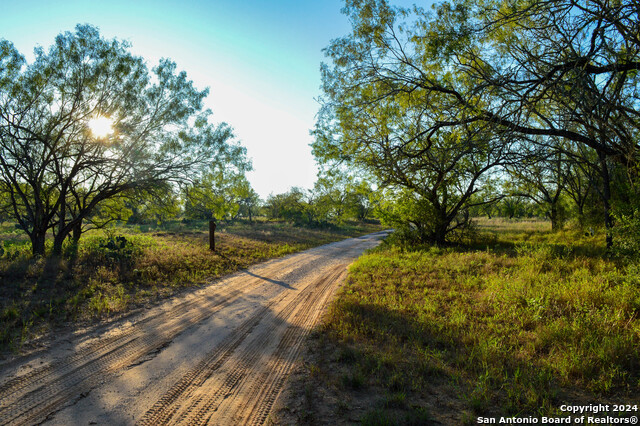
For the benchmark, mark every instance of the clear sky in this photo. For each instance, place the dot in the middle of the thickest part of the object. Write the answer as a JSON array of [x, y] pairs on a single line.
[[260, 60]]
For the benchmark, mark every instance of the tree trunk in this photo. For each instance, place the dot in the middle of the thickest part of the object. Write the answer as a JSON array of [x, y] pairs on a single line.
[[553, 215], [212, 235], [581, 218], [439, 235], [37, 242], [57, 244], [62, 232], [77, 232], [440, 228], [606, 198]]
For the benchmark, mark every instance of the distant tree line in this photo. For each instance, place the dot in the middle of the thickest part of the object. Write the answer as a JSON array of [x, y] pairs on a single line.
[[332, 201], [335, 199]]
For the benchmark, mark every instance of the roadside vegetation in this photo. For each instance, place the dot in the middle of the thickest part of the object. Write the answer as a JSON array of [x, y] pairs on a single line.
[[500, 110], [515, 322], [111, 171], [429, 120], [113, 271]]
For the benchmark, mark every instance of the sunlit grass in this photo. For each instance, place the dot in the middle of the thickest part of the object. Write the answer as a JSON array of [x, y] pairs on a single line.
[[500, 224], [517, 322], [112, 272]]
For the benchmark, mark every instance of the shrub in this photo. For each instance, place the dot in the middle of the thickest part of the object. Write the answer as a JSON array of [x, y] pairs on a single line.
[[626, 234]]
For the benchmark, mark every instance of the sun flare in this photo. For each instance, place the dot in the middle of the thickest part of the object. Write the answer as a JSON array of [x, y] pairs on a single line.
[[101, 127]]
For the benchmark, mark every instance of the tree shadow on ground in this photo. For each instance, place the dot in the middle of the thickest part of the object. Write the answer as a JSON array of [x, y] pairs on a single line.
[[384, 363]]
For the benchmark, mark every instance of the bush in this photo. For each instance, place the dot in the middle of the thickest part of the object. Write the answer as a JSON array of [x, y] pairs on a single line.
[[114, 249], [626, 234], [13, 251]]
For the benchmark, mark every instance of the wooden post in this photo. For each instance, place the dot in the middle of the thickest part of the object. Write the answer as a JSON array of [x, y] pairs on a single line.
[[212, 235]]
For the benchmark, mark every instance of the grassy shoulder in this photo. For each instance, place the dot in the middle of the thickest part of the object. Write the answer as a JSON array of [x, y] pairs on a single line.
[[515, 324], [112, 272]]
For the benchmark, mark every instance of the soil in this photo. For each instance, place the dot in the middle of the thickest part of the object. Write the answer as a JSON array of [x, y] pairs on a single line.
[[315, 395], [217, 355]]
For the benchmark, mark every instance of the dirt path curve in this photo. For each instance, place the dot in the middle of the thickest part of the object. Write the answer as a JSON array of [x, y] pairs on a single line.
[[218, 355]]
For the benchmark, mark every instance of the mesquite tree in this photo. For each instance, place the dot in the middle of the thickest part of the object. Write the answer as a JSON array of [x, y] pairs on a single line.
[[54, 171], [533, 71]]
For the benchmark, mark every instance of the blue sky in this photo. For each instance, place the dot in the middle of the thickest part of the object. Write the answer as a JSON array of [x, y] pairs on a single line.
[[260, 59]]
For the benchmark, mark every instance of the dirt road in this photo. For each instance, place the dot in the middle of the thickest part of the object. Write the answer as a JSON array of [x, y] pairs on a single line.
[[218, 355]]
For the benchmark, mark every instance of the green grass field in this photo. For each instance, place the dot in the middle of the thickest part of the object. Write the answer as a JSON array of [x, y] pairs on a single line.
[[114, 271], [516, 323]]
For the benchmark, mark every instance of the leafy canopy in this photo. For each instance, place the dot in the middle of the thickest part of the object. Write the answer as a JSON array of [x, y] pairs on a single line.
[[55, 171]]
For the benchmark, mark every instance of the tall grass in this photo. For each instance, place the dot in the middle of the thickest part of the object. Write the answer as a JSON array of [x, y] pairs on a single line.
[[515, 323]]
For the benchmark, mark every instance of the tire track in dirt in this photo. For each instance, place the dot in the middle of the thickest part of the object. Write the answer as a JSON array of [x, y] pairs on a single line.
[[166, 407], [41, 393], [14, 389], [266, 388], [230, 380], [200, 393], [32, 397]]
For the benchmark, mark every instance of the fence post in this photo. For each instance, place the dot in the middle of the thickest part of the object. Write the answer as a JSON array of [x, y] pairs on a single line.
[[212, 235]]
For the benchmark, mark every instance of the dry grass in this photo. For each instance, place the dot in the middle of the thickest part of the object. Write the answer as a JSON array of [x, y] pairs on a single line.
[[112, 272], [503, 224]]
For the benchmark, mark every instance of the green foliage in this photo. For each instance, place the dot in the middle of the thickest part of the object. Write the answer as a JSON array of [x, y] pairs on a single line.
[[541, 178], [210, 198], [335, 199], [627, 235], [338, 197], [13, 250], [432, 103], [223, 190], [383, 117], [156, 205], [291, 206], [626, 215], [58, 175], [113, 248], [247, 198], [502, 329]]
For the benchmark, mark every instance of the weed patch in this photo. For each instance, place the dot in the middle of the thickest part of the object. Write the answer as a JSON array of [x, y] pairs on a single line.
[[516, 322]]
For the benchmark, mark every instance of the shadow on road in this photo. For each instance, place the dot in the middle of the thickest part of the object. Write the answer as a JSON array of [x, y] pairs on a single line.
[[280, 283]]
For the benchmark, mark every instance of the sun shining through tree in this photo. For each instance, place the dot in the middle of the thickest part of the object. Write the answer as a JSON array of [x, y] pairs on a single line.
[[101, 127], [49, 126]]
